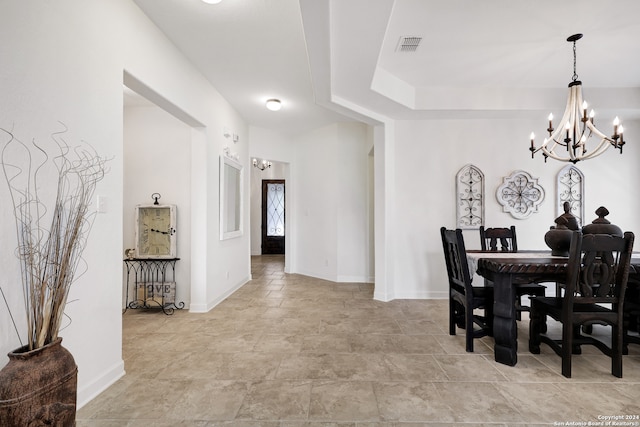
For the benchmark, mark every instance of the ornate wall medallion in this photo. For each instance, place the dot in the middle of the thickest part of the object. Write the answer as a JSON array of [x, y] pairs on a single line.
[[520, 194]]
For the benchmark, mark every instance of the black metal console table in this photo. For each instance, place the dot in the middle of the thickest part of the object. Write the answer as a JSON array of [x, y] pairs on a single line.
[[154, 286]]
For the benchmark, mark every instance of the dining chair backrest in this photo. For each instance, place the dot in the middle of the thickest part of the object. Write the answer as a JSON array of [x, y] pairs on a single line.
[[598, 269], [498, 239], [456, 259]]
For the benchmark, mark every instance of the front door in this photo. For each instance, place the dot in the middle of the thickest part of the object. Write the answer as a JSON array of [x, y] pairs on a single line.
[[272, 216]]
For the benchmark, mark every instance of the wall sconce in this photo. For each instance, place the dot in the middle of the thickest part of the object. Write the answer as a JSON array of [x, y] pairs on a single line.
[[262, 165]]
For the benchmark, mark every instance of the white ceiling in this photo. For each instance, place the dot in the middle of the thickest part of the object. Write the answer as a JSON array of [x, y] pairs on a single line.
[[504, 58]]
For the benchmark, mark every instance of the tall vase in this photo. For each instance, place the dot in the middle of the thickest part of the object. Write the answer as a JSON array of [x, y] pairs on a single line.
[[38, 387]]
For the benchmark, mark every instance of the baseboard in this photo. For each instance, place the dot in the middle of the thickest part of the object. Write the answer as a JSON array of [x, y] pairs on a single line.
[[202, 308], [382, 296], [386, 297], [353, 279], [87, 393]]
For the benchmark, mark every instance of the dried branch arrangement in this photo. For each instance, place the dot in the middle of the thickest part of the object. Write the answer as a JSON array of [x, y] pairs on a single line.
[[51, 191]]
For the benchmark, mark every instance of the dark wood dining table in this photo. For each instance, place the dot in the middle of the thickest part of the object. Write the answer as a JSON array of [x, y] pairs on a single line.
[[508, 269]]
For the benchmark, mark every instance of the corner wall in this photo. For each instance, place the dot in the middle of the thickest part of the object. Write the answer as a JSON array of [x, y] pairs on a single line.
[[332, 203], [65, 61]]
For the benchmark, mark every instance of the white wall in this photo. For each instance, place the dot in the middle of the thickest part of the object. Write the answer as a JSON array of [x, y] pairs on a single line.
[[331, 199], [271, 145], [64, 61], [157, 159], [428, 155], [352, 172]]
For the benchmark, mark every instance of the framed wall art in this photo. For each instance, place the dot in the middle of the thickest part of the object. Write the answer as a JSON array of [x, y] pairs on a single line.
[[520, 194], [469, 197], [570, 188]]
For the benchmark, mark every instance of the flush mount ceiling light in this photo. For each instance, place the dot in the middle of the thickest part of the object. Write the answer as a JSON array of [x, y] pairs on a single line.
[[571, 135], [273, 104], [212, 1]]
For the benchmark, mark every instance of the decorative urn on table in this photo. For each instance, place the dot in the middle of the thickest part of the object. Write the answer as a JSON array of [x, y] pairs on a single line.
[[601, 225], [38, 386], [558, 238]]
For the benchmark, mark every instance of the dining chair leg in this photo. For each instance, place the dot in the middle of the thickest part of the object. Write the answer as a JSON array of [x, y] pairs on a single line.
[[575, 348], [567, 349], [460, 315], [452, 317], [534, 331], [625, 333], [468, 320], [616, 347]]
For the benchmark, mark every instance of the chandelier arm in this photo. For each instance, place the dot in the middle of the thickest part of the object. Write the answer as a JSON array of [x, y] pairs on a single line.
[[604, 144], [595, 153], [559, 133], [567, 116], [597, 132], [575, 120], [599, 149], [544, 146], [554, 156]]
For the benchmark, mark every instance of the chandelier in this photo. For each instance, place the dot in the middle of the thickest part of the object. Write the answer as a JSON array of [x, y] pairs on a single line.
[[262, 165], [568, 142]]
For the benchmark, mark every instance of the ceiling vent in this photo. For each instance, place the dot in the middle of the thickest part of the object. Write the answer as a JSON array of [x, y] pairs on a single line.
[[408, 44]]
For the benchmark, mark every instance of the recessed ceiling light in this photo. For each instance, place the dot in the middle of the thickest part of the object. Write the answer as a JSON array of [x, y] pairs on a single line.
[[212, 1], [273, 104]]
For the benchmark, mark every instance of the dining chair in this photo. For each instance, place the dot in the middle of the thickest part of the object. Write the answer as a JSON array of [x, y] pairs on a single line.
[[504, 239], [631, 315], [597, 274], [464, 298], [491, 237]]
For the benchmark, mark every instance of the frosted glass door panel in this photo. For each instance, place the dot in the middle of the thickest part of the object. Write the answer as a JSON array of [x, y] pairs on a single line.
[[275, 209]]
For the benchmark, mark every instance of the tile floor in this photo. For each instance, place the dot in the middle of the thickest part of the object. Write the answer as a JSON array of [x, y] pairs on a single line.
[[288, 350]]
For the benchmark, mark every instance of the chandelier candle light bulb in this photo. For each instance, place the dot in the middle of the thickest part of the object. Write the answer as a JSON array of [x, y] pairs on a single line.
[[577, 126]]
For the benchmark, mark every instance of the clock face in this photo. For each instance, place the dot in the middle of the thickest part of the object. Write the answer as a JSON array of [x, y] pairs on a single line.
[[155, 234]]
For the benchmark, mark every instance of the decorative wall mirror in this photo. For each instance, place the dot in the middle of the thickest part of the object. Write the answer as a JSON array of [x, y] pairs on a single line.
[[230, 198]]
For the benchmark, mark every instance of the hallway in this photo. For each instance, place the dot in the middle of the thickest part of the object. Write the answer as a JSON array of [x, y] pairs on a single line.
[[289, 350]]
